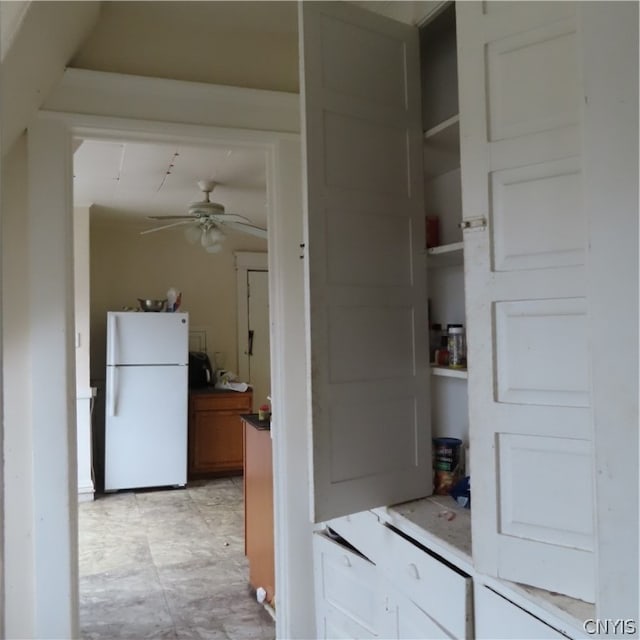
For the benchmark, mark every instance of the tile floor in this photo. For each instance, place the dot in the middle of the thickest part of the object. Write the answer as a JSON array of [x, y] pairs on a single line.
[[168, 564]]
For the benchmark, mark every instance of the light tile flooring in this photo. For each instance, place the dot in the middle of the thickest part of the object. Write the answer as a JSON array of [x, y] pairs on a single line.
[[168, 564]]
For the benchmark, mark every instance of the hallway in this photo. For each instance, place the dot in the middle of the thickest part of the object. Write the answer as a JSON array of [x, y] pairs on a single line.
[[168, 564]]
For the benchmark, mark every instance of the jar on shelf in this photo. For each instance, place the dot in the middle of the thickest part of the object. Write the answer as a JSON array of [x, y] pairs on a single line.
[[457, 346]]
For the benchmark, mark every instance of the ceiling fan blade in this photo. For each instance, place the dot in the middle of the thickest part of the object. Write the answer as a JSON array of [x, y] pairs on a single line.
[[243, 227], [165, 226], [187, 217], [230, 217]]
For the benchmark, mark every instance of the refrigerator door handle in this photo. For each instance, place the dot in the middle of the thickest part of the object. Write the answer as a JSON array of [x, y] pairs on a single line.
[[111, 332], [112, 391]]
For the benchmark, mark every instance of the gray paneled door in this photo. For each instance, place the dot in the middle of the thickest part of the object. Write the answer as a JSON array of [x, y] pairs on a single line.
[[365, 263]]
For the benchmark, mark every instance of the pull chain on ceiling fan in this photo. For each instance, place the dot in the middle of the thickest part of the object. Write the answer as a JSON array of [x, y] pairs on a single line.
[[206, 221]]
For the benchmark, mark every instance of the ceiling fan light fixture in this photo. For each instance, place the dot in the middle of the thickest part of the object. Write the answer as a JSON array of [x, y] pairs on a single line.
[[192, 233], [206, 220], [210, 234], [213, 235]]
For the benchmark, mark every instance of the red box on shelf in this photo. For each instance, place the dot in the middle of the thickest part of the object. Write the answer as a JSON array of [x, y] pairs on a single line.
[[432, 227]]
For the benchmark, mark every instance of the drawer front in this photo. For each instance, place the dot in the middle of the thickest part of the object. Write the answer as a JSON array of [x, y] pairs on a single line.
[[364, 531], [414, 623], [222, 402], [440, 591], [347, 597], [335, 625], [497, 618]]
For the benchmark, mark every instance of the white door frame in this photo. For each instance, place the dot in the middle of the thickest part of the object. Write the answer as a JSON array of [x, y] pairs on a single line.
[[134, 109], [245, 261]]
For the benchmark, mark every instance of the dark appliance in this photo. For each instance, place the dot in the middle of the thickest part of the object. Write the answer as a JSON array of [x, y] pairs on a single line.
[[200, 371]]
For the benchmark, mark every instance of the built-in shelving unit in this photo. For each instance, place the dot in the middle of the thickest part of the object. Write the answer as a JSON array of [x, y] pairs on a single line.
[[445, 262], [448, 372], [442, 147], [445, 255]]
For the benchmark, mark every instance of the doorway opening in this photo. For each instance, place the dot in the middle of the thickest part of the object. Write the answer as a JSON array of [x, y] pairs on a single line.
[[192, 540], [161, 111]]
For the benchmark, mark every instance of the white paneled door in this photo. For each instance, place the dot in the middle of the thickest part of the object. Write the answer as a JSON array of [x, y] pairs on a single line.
[[531, 449], [259, 351], [365, 263]]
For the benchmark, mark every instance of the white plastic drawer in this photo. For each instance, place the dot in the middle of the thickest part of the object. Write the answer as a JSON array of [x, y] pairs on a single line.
[[364, 531], [442, 592], [347, 597], [496, 618]]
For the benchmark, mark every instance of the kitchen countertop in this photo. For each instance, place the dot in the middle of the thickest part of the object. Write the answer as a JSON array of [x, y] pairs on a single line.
[[208, 389], [252, 419]]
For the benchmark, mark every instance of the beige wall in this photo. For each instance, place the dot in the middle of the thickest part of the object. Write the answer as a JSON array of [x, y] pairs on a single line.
[[244, 44], [126, 266]]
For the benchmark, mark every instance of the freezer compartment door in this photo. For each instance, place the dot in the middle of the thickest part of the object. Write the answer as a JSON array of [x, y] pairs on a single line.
[[146, 427], [147, 338]]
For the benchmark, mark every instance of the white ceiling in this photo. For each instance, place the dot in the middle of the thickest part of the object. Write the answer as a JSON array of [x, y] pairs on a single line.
[[134, 180]]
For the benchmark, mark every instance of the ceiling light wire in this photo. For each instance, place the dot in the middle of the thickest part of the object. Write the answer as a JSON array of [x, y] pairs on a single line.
[[168, 171]]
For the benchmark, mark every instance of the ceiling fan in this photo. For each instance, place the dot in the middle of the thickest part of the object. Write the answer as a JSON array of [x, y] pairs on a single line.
[[206, 221]]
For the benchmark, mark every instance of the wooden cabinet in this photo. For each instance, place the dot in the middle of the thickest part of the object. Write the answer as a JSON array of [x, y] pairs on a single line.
[[258, 507], [215, 431]]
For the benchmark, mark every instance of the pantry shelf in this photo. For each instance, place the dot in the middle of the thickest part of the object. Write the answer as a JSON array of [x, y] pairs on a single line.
[[442, 147], [448, 372], [445, 255]]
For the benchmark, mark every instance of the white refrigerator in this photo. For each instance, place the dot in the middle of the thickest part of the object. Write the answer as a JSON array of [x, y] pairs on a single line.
[[146, 400]]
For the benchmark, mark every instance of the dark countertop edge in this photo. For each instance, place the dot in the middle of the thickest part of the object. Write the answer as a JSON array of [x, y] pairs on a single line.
[[252, 419], [210, 389]]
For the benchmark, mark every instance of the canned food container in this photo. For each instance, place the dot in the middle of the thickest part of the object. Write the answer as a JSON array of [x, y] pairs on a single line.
[[457, 347], [447, 464]]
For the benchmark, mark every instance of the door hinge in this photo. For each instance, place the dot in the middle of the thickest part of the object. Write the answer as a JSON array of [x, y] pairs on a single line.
[[480, 222]]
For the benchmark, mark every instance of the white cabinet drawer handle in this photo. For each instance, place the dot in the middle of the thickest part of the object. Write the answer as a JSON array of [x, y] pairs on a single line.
[[345, 561], [413, 571]]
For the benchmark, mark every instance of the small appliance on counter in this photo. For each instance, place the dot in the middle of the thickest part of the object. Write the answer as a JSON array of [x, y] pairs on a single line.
[[200, 370]]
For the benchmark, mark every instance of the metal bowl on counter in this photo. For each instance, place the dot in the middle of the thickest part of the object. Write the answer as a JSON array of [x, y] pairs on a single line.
[[147, 304]]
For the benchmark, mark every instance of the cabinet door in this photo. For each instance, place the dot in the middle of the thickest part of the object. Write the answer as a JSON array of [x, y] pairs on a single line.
[[258, 509], [365, 262], [217, 441], [530, 444]]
